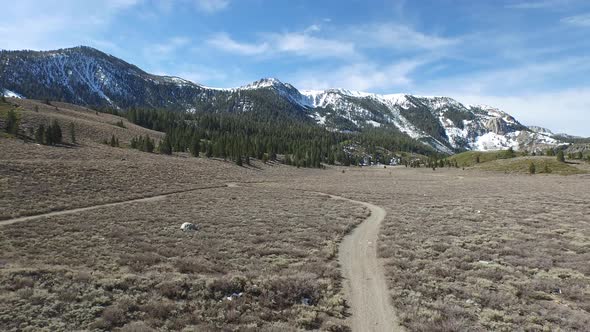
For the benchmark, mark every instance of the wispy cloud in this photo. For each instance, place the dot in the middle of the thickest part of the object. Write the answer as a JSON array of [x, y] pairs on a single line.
[[169, 46], [222, 41], [504, 81], [398, 36], [314, 42], [304, 44], [582, 20], [541, 4], [363, 76], [293, 43], [211, 6]]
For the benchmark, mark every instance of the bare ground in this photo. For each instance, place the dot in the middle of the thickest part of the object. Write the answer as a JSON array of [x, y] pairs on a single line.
[[364, 278]]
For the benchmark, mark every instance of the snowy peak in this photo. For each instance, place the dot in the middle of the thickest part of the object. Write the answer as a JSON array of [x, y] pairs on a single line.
[[86, 76]]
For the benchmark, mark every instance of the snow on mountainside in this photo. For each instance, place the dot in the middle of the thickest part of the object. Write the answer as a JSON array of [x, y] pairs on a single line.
[[86, 76], [10, 94]]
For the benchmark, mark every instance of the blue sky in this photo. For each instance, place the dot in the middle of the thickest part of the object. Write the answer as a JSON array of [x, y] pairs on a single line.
[[529, 58]]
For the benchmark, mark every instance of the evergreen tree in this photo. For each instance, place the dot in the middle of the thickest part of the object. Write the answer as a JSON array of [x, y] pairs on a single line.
[[165, 147], [40, 134], [56, 134], [72, 133], [532, 168], [11, 124], [149, 144], [560, 156], [550, 153], [510, 153], [209, 152], [195, 146], [49, 135]]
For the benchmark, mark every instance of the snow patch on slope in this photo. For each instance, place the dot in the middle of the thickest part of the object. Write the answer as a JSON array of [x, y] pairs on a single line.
[[11, 94]]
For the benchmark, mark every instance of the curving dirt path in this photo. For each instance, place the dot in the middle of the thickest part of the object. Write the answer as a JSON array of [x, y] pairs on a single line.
[[92, 207], [364, 278]]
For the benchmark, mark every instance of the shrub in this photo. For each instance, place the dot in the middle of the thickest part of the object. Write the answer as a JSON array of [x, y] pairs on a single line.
[[137, 327], [560, 157], [113, 316]]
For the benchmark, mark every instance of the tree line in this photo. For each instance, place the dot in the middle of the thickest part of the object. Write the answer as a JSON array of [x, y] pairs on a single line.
[[244, 135]]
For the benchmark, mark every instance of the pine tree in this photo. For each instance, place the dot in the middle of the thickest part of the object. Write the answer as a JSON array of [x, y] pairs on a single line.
[[209, 152], [560, 156], [12, 123], [40, 134], [165, 147], [56, 133], [510, 153], [72, 133], [49, 135], [150, 144], [195, 146]]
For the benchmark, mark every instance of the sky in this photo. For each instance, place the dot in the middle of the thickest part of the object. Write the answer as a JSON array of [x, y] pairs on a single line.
[[529, 58]]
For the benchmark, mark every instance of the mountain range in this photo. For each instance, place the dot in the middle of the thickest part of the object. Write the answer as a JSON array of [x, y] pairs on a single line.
[[89, 77]]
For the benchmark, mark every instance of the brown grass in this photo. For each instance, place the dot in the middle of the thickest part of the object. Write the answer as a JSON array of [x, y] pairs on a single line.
[[466, 250], [110, 267]]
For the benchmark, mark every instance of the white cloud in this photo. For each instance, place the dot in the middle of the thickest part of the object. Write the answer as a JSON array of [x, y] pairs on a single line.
[[170, 46], [300, 44], [361, 76], [397, 36], [29, 24], [505, 81], [303, 44], [541, 4], [578, 20], [211, 6], [224, 42]]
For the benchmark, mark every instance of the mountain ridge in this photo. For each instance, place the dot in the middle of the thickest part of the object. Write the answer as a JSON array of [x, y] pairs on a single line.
[[89, 77]]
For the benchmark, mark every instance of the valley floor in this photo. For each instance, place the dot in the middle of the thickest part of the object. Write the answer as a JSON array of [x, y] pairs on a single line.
[[460, 250]]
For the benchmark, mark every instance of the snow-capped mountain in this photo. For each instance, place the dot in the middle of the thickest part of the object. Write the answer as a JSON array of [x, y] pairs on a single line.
[[86, 76]]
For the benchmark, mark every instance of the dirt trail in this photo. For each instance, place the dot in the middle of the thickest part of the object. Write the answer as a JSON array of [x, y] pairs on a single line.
[[98, 206], [364, 283], [364, 278]]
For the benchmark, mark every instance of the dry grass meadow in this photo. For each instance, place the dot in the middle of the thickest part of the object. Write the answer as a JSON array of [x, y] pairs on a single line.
[[469, 250]]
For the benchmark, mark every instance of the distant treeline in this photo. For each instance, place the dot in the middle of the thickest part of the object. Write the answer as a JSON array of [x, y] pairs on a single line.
[[242, 135]]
